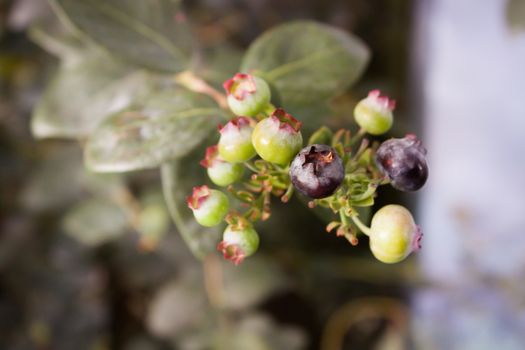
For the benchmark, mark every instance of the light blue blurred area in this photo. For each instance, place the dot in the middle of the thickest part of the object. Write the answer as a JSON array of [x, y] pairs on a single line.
[[471, 71]]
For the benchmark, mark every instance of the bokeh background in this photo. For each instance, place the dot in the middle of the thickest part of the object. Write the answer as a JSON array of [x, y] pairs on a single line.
[[74, 274]]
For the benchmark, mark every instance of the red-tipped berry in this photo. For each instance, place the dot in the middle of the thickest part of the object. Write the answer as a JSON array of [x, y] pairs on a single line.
[[394, 234], [238, 243], [235, 143], [221, 172], [374, 113], [277, 139], [209, 206], [403, 162], [247, 94], [317, 171]]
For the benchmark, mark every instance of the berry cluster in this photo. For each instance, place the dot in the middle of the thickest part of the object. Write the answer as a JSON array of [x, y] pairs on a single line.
[[339, 171]]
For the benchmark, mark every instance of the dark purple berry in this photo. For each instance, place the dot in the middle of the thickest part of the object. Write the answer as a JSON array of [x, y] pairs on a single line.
[[317, 171], [403, 161]]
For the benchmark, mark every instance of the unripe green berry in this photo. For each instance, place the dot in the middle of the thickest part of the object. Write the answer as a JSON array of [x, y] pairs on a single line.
[[221, 172], [393, 234], [209, 206], [374, 113], [235, 143], [238, 243], [277, 139], [247, 95]]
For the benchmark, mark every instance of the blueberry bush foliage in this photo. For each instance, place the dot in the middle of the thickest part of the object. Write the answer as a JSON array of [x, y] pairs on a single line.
[[143, 94]]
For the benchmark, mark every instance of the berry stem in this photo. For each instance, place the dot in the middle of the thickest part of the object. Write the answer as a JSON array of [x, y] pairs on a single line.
[[192, 82], [362, 227], [251, 167], [343, 217], [288, 194], [358, 136]]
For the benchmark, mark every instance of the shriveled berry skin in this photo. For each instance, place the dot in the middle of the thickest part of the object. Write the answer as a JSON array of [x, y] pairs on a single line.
[[394, 234], [403, 161], [317, 171]]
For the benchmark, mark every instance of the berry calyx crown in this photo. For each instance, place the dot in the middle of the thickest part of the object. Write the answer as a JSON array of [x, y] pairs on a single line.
[[240, 86], [231, 252], [199, 195], [211, 157], [285, 120], [236, 124], [381, 102]]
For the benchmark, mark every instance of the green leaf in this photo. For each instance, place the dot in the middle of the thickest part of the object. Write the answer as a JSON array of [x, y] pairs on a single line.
[[84, 92], [45, 189], [95, 221], [307, 61], [57, 39], [178, 178], [220, 64], [151, 33], [167, 126]]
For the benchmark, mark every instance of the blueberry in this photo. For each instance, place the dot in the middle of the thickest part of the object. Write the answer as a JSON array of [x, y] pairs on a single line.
[[403, 161], [317, 171]]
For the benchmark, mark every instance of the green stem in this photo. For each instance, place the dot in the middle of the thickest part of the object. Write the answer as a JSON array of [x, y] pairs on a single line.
[[343, 217], [362, 227], [289, 192], [358, 136], [251, 167]]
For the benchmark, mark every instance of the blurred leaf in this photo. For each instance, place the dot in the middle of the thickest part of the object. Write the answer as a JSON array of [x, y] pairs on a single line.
[[307, 61], [516, 15], [251, 282], [221, 63], [168, 126], [151, 33], [45, 189], [95, 221], [153, 220], [257, 331], [57, 39], [178, 307], [178, 178], [86, 91]]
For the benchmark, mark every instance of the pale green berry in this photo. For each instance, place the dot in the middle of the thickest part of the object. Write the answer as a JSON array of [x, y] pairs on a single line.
[[277, 139], [393, 234], [209, 206], [247, 95], [235, 143], [374, 113], [238, 243], [221, 172]]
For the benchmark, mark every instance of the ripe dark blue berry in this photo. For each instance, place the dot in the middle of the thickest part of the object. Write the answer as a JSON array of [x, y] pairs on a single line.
[[403, 161], [317, 171]]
